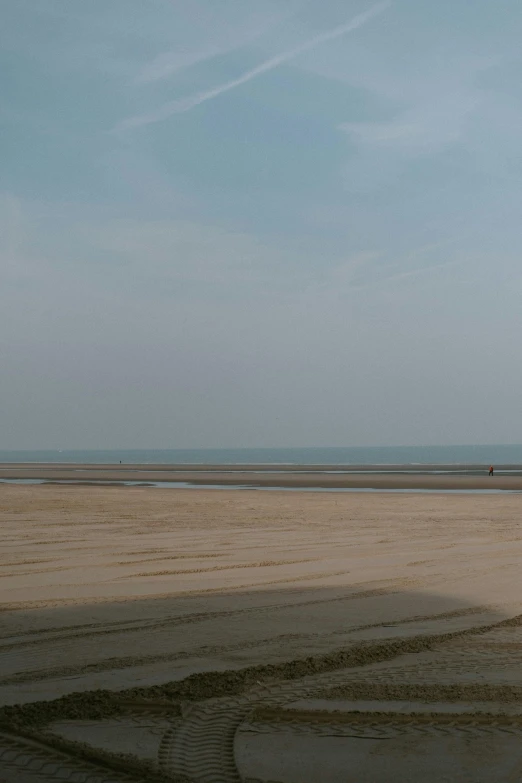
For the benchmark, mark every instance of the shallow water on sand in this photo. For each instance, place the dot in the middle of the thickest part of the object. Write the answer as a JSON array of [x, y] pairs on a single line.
[[188, 485]]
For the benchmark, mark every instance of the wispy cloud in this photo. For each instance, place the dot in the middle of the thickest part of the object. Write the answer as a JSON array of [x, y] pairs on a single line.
[[435, 122], [169, 63], [186, 104], [378, 269]]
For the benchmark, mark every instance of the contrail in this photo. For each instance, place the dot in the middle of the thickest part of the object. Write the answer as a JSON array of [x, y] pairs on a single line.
[[186, 104]]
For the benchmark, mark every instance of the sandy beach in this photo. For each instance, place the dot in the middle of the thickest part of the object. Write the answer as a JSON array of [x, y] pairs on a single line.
[[240, 636]]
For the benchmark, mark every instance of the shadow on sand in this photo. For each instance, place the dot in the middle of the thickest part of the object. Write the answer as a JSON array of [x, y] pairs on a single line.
[[362, 683]]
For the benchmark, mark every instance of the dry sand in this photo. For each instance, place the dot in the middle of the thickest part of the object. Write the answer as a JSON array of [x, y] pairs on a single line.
[[353, 637]]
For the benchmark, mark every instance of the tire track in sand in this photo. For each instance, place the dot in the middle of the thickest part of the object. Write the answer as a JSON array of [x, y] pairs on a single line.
[[202, 748], [21, 756]]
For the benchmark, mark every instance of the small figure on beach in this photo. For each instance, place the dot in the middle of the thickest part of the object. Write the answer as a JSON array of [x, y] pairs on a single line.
[[491, 470]]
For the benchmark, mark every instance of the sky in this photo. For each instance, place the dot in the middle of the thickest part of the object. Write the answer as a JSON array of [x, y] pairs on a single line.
[[260, 223]]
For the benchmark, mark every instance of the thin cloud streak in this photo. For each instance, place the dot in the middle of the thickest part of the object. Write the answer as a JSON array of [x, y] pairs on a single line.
[[186, 104], [170, 63]]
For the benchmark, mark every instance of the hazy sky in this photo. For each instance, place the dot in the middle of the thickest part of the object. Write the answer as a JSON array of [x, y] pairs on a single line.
[[260, 223]]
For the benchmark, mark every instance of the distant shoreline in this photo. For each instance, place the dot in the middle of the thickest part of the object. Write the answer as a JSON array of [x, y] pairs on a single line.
[[291, 457]]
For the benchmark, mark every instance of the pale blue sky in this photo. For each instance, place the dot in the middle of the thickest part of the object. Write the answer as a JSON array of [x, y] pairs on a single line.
[[265, 223]]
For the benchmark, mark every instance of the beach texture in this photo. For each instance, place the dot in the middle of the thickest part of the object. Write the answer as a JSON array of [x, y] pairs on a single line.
[[259, 636]]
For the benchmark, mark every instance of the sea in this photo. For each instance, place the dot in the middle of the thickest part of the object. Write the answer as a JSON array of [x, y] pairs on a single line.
[[319, 455]]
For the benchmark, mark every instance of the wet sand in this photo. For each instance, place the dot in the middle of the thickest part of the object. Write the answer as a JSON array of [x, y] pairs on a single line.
[[384, 477], [260, 635]]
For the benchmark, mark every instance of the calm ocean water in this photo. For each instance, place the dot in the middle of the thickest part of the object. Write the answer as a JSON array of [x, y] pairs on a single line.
[[375, 455]]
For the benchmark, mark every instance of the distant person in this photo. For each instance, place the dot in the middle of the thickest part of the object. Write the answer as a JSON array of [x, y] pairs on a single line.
[[491, 470]]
